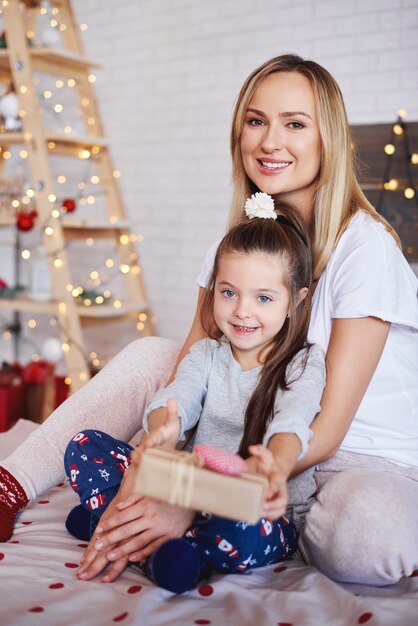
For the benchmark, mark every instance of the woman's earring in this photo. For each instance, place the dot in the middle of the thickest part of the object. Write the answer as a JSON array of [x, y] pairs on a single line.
[[288, 315]]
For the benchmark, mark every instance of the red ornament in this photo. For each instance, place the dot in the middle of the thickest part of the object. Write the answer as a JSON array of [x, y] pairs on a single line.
[[69, 205], [25, 220]]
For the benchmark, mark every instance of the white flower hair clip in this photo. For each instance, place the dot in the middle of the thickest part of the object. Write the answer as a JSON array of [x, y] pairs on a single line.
[[260, 205]]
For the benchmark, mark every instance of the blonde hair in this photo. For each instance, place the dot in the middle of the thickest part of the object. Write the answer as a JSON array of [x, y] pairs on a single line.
[[338, 195]]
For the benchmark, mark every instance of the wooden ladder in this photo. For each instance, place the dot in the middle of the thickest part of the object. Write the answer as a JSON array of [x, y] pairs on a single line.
[[18, 62]]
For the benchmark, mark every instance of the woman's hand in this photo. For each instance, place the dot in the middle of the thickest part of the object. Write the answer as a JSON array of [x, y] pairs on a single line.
[[277, 497]]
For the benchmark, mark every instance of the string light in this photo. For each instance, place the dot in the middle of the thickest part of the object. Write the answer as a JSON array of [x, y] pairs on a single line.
[[389, 148]]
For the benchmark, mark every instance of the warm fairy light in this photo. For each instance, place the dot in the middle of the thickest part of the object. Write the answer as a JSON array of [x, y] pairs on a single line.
[[44, 10], [75, 293], [124, 269], [82, 201], [63, 27], [136, 269], [49, 231], [414, 158], [5, 3], [82, 376], [107, 293], [25, 254], [84, 154], [55, 213], [62, 307], [30, 34], [30, 193], [87, 302], [22, 113], [389, 148], [58, 108], [7, 335], [89, 241], [95, 150], [91, 199], [58, 263], [55, 11], [93, 355], [52, 197], [53, 23], [67, 380], [391, 184], [59, 84], [124, 239], [91, 121], [85, 102], [52, 321], [83, 26], [65, 346], [67, 129], [99, 299], [71, 82], [95, 180], [25, 200], [110, 263], [51, 145], [113, 219], [117, 304], [23, 89], [61, 179], [35, 357], [23, 154], [401, 112], [409, 193], [140, 326], [91, 78], [7, 154], [142, 317], [15, 204], [94, 274], [397, 129], [31, 323], [96, 362], [116, 173], [81, 185], [133, 256], [69, 287]]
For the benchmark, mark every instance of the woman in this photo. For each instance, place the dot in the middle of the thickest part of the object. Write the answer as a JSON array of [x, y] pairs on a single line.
[[290, 138]]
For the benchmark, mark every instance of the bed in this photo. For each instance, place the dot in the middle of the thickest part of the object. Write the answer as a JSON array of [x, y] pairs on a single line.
[[38, 585]]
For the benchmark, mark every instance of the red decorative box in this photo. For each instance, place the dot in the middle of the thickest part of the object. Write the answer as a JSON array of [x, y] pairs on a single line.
[[11, 395]]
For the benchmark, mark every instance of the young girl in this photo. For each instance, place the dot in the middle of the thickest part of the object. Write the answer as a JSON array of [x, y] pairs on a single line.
[[255, 362]]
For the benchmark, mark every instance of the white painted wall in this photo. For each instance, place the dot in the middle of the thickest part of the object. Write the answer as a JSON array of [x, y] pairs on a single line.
[[171, 72]]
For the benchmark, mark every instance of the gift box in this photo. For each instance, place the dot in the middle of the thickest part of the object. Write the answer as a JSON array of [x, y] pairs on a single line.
[[11, 395], [38, 378], [179, 478]]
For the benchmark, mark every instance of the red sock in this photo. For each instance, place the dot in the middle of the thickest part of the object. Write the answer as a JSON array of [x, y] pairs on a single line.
[[12, 500]]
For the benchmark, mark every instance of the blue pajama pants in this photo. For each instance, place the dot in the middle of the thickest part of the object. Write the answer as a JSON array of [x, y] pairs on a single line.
[[95, 463]]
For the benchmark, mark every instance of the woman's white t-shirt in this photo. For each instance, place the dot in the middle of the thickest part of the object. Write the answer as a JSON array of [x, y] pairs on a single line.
[[367, 275]]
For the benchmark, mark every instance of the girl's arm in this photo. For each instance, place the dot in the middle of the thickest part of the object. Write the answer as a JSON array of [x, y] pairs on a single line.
[[354, 351], [137, 531]]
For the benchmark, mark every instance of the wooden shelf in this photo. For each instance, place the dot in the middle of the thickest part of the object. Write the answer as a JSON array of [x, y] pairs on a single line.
[[105, 230], [74, 142], [23, 302], [108, 311], [51, 60]]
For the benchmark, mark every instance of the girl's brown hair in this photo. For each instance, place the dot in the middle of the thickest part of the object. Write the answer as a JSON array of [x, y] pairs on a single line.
[[288, 239], [338, 196]]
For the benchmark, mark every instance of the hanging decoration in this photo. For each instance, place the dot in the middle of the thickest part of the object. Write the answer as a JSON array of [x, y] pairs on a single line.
[[68, 205], [9, 111], [25, 220]]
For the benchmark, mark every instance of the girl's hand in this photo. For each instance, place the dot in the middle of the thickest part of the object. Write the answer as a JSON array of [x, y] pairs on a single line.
[[277, 497], [166, 436]]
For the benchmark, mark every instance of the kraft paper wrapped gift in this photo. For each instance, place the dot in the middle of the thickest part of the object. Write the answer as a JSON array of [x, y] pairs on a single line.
[[178, 478]]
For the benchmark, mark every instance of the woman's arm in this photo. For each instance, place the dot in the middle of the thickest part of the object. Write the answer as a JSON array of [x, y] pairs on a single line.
[[354, 351]]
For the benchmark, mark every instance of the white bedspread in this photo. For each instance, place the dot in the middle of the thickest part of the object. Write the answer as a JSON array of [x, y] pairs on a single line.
[[38, 586]]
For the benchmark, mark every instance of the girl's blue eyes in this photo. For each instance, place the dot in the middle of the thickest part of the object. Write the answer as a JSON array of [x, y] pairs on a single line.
[[228, 293]]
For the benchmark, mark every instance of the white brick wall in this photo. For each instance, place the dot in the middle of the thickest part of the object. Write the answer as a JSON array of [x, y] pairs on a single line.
[[171, 72]]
